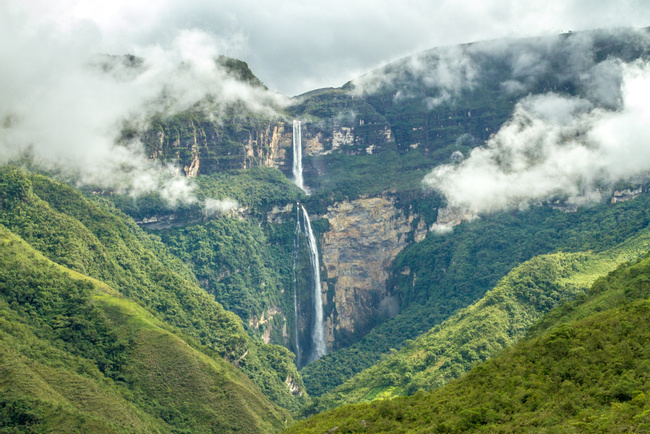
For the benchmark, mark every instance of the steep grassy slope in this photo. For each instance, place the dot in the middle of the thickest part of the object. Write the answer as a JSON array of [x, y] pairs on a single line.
[[245, 264], [77, 356], [445, 273], [485, 328], [93, 239], [256, 190], [587, 372]]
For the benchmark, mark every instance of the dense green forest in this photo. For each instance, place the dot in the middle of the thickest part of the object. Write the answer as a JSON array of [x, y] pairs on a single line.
[[479, 332], [78, 356], [583, 369], [455, 270], [127, 313], [88, 236]]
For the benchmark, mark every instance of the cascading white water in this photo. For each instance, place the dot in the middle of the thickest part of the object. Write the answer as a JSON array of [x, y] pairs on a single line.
[[318, 333], [297, 155], [319, 348], [296, 246]]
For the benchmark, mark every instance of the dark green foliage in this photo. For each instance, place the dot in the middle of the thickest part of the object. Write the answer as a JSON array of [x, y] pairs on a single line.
[[233, 260], [239, 70], [76, 356], [58, 308], [589, 375], [257, 188], [14, 189], [349, 177], [483, 329]]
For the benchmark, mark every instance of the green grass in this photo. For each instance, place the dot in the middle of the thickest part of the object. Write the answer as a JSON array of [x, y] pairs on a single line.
[[435, 278], [94, 239]]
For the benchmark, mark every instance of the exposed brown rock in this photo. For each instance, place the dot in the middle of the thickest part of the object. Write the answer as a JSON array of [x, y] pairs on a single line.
[[365, 236]]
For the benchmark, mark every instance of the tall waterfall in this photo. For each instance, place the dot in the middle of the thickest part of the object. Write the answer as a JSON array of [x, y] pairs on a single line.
[[304, 226], [319, 348], [296, 246], [297, 155]]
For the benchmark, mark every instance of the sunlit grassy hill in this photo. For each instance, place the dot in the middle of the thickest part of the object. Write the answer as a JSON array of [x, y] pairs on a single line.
[[584, 369], [132, 315]]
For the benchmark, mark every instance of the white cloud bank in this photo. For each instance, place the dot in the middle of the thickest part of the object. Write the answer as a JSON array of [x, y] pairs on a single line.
[[554, 146], [64, 102], [217, 206]]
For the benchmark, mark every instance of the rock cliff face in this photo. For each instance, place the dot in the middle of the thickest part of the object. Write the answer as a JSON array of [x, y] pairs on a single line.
[[625, 194], [352, 139], [198, 145], [365, 236], [449, 217], [269, 147], [264, 325]]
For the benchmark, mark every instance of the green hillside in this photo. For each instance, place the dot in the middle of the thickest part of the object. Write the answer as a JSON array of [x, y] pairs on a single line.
[[430, 123], [480, 331], [449, 272], [586, 372], [130, 314], [92, 238], [77, 356]]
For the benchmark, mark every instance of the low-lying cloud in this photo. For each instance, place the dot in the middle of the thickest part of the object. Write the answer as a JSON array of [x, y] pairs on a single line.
[[447, 71], [64, 103], [519, 67], [555, 147], [219, 206]]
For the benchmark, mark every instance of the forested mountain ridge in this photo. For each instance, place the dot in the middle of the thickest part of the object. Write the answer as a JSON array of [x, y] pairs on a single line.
[[585, 370], [401, 121], [496, 321], [78, 356], [92, 238], [445, 273]]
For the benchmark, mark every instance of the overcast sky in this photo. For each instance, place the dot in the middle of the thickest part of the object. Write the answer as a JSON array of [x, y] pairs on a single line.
[[296, 46]]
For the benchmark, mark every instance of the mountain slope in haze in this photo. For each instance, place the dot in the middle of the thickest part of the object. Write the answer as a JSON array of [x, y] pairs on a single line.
[[89, 237], [77, 356], [482, 330], [447, 101], [586, 372]]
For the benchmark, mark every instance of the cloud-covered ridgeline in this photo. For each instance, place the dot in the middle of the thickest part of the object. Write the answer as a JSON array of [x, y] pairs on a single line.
[[572, 60], [296, 46], [558, 146], [65, 103]]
